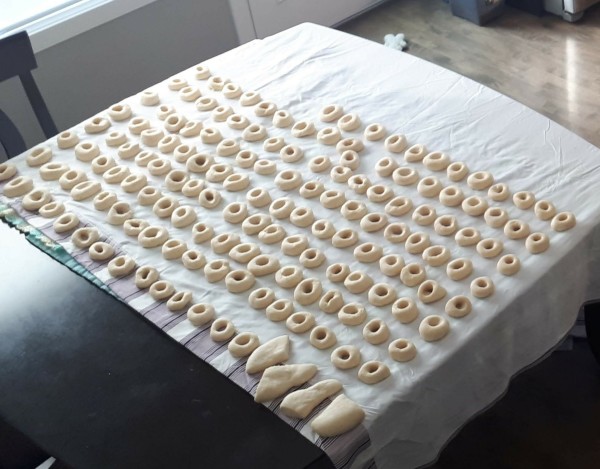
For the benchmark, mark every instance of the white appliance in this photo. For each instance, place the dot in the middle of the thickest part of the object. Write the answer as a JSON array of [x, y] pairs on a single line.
[[570, 10]]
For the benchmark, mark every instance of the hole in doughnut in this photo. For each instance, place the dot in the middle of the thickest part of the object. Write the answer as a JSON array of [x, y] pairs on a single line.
[[536, 237], [287, 271], [374, 327], [459, 304], [468, 232], [508, 260], [372, 367], [390, 261], [378, 190], [522, 196], [354, 276], [238, 276], [433, 321], [401, 344], [428, 182], [414, 269], [344, 355], [336, 269], [473, 202], [241, 339], [563, 217], [299, 318], [428, 290], [218, 264], [308, 288], [481, 283], [320, 335]]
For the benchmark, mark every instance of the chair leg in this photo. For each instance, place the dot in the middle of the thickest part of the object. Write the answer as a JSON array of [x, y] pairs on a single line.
[[38, 104], [592, 328], [10, 138]]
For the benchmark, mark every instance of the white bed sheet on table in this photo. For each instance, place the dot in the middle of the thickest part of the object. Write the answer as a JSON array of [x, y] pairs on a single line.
[[412, 414]]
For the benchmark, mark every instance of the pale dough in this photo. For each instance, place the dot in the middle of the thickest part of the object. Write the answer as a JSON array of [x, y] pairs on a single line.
[[391, 265], [359, 183], [205, 104], [119, 112], [228, 147], [174, 123], [322, 338], [232, 91], [146, 276], [337, 273], [148, 196], [261, 298], [311, 258], [434, 328], [176, 179], [277, 380], [329, 136], [344, 238], [358, 282], [308, 291], [341, 416], [417, 242], [368, 252], [217, 83], [221, 113], [319, 164], [508, 264], [104, 200], [144, 158], [436, 255], [83, 238], [244, 252], [495, 217], [332, 199], [350, 159], [350, 144], [537, 243], [353, 210], [209, 198], [300, 322], [100, 164], [424, 215], [221, 330], [544, 209], [67, 139], [139, 124], [134, 226], [331, 301], [524, 200], [299, 404], [405, 176], [193, 259], [459, 269], [256, 223], [323, 229], [237, 121], [121, 266], [412, 274], [52, 209], [436, 161], [352, 314], [243, 344], [405, 310], [489, 247], [376, 331], [96, 125], [224, 242], [65, 222], [379, 193], [563, 221], [480, 180], [200, 314], [445, 225], [238, 281], [101, 251], [398, 206], [346, 357], [173, 249], [311, 189], [457, 171], [273, 144], [153, 236], [395, 143], [249, 98], [288, 180], [331, 113], [254, 133], [35, 199], [458, 306], [415, 153], [451, 196], [291, 153], [474, 205], [265, 109], [374, 132], [67, 181], [302, 217], [236, 182], [235, 212], [165, 206], [86, 151], [116, 139], [202, 232], [134, 183], [429, 186], [431, 291], [202, 72], [216, 270], [263, 264], [402, 350], [281, 208], [163, 112], [294, 245], [279, 310], [468, 236], [246, 159], [219, 172], [289, 276], [210, 135], [270, 353], [349, 122], [114, 175], [183, 216], [199, 163], [272, 234], [499, 192], [373, 222], [373, 372], [282, 119], [516, 229], [482, 287], [161, 290]]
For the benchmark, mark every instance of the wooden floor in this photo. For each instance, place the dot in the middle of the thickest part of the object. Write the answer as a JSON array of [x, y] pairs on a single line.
[[545, 63]]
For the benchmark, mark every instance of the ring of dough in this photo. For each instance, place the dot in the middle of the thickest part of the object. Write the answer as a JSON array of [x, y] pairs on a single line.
[[68, 180], [436, 161], [368, 252], [101, 164], [175, 180], [199, 163], [398, 206], [308, 291], [86, 151], [134, 226], [332, 199], [300, 322], [263, 264], [459, 269], [480, 180], [119, 213], [353, 210], [498, 192], [138, 124], [148, 196], [272, 234], [331, 112], [537, 243], [173, 249], [288, 276], [177, 83], [66, 222], [359, 183], [86, 189], [200, 314], [246, 159], [255, 223], [250, 98], [153, 236], [391, 265], [319, 164], [119, 112], [544, 210], [311, 189], [243, 344], [236, 182], [134, 183], [179, 301], [434, 328], [202, 72], [221, 113], [216, 270], [104, 200], [235, 212], [101, 251], [374, 132], [282, 119], [115, 139], [467, 237], [402, 350], [121, 266], [303, 128], [382, 294], [174, 123], [337, 272], [489, 247], [291, 153], [329, 136], [202, 232], [346, 357], [445, 225], [322, 338], [279, 310], [221, 330], [524, 200], [7, 170], [219, 172], [405, 310], [265, 167], [323, 229], [168, 143], [331, 301], [145, 276], [237, 121], [261, 298], [373, 372], [83, 238], [358, 282], [508, 265], [349, 122], [183, 216], [340, 174], [52, 209], [116, 174], [302, 217], [412, 274], [417, 242], [482, 287], [458, 306], [224, 242], [254, 133], [379, 193], [238, 281], [210, 135], [67, 139], [436, 256], [395, 143], [563, 221], [288, 180], [354, 144], [273, 144], [144, 158], [228, 147], [311, 258], [193, 259], [205, 103], [164, 111], [209, 198], [349, 159], [424, 215], [96, 125], [244, 252], [35, 199], [457, 171], [344, 238], [430, 291], [405, 176], [415, 153], [474, 206], [352, 314], [217, 83], [495, 217], [232, 91], [165, 206], [451, 196], [516, 229], [265, 109], [429, 186]]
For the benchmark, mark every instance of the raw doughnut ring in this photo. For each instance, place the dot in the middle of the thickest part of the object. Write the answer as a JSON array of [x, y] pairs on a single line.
[[279, 310], [148, 196], [379, 193], [202, 72], [236, 182], [282, 119], [412, 274], [376, 332], [101, 164], [35, 199], [457, 171], [417, 242], [209, 198], [96, 125], [217, 83], [163, 112], [291, 153], [391, 265], [237, 121], [244, 252], [168, 143], [346, 357], [254, 133], [436, 255], [149, 98], [199, 163], [395, 143], [424, 215], [322, 338], [235, 212], [495, 217], [302, 217], [200, 314], [238, 281], [459, 269], [18, 186], [300, 322], [382, 294], [537, 243], [294, 245], [498, 192], [308, 291], [430, 291], [273, 144], [201, 232], [116, 174], [398, 206], [221, 113], [332, 199], [405, 310], [288, 180], [474, 206], [374, 132], [205, 104], [480, 180], [358, 282], [104, 200], [67, 181], [228, 147], [429, 186], [311, 189], [337, 272], [467, 236], [311, 258], [165, 206], [86, 151], [272, 234], [119, 213], [331, 301], [261, 298], [224, 242], [66, 222], [489, 247], [353, 210], [482, 287], [232, 91], [139, 124], [246, 159], [352, 314], [193, 259], [216, 270], [265, 109], [289, 276], [177, 83], [243, 344], [210, 135], [250, 98], [121, 266], [265, 167], [83, 238], [119, 112], [83, 191], [323, 229], [183, 216], [144, 158], [153, 236], [218, 172], [9, 170], [402, 350], [524, 199], [350, 144], [350, 159], [451, 196], [256, 223], [445, 225], [368, 252], [436, 161], [563, 221], [193, 187], [331, 112], [67, 139], [145, 276], [179, 301], [508, 264], [516, 229], [319, 164], [349, 122], [101, 251], [359, 183], [458, 306], [434, 328], [134, 183], [174, 123], [221, 329], [344, 238], [415, 153], [544, 210], [329, 136], [404, 176], [52, 209], [263, 264], [134, 226]]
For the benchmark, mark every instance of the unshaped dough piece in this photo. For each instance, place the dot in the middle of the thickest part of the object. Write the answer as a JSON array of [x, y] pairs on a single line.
[[277, 380], [274, 351], [299, 404], [341, 416]]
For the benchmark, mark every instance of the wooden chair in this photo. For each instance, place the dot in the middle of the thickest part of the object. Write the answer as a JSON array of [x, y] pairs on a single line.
[[17, 59]]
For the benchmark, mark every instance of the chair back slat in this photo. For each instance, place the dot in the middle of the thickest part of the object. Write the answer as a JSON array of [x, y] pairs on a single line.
[[16, 56], [10, 138]]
